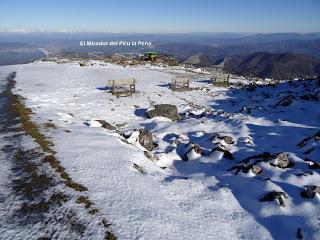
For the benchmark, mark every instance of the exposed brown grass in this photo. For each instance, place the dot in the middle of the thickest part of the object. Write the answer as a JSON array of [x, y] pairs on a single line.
[[18, 109], [85, 201], [49, 125]]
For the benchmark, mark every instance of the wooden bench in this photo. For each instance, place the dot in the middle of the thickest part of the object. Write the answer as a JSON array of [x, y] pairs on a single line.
[[125, 86], [220, 81], [180, 83]]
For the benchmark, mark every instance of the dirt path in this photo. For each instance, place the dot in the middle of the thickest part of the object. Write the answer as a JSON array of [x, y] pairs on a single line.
[[38, 199]]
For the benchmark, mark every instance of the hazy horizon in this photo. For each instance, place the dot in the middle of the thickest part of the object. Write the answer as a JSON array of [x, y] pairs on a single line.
[[174, 16]]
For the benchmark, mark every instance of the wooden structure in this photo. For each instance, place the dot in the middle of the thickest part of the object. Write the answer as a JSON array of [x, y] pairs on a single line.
[[150, 56], [180, 83], [220, 81], [122, 86]]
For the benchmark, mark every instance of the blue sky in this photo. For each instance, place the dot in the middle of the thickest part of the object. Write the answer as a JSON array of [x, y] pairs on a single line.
[[162, 15]]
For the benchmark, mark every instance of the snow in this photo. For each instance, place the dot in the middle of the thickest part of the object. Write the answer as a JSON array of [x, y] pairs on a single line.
[[175, 199]]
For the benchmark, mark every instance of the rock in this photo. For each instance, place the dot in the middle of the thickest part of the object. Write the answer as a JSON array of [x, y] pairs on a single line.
[[228, 140], [263, 157], [197, 113], [121, 125], [155, 145], [182, 138], [193, 151], [286, 101], [143, 136], [249, 141], [146, 139], [314, 165], [251, 87], [197, 148], [150, 156], [310, 191], [271, 196], [282, 160], [245, 168], [246, 109], [106, 125], [226, 153], [164, 110], [266, 156], [299, 233], [256, 169], [137, 168]]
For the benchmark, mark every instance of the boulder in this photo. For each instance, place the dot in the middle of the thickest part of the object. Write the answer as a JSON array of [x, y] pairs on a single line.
[[146, 139], [193, 151], [310, 191], [228, 140], [226, 153], [271, 196], [282, 160], [143, 136], [256, 169], [106, 125], [164, 110]]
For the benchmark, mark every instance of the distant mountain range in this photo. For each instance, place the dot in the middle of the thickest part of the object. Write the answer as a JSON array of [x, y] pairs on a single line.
[[264, 64], [278, 55], [273, 65], [295, 57], [185, 50]]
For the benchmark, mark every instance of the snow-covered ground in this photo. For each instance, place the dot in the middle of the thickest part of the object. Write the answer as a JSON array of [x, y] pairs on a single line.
[[175, 199]]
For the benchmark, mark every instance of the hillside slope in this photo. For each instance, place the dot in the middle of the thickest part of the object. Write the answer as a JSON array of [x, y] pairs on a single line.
[[236, 163], [277, 66]]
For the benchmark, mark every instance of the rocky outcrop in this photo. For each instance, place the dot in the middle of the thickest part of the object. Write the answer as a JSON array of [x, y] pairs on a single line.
[[146, 139], [164, 110], [193, 151], [271, 196], [274, 65], [106, 125], [256, 169], [310, 191], [245, 168], [143, 137], [228, 140], [282, 161], [226, 153]]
